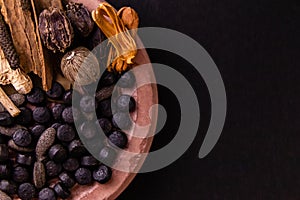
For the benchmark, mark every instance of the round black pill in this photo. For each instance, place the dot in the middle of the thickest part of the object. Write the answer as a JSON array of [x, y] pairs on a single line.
[[22, 137], [47, 194], [125, 103], [66, 133], [88, 130], [8, 187], [3, 152], [5, 119], [36, 96], [37, 130], [57, 110], [83, 176], [66, 179], [56, 91], [71, 164], [76, 148], [57, 153], [61, 191], [25, 116], [67, 97], [52, 168], [4, 171], [87, 104], [20, 174], [89, 161], [105, 124], [118, 138], [127, 80], [102, 174], [121, 120], [67, 115], [107, 155], [26, 191], [24, 159], [41, 115]]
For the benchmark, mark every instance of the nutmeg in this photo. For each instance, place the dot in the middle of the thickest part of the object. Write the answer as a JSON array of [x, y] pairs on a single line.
[[80, 65]]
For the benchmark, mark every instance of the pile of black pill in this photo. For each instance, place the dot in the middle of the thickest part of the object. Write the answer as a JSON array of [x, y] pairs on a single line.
[[67, 162]]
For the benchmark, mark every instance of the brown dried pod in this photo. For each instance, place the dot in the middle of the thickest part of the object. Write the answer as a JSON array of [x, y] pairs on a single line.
[[39, 175], [80, 65], [44, 143], [55, 29], [80, 18]]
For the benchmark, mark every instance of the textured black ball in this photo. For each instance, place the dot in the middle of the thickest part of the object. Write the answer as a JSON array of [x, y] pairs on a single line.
[[22, 137], [41, 115], [36, 96], [56, 91], [83, 176], [26, 191], [47, 194]]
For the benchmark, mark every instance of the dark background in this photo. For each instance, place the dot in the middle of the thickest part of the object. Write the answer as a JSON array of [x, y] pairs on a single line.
[[255, 45]]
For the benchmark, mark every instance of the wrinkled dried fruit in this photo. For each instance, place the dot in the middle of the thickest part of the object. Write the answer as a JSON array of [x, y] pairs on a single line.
[[55, 29], [39, 174], [80, 18]]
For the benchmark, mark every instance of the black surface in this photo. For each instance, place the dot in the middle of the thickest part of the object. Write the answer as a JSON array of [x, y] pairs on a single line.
[[255, 45]]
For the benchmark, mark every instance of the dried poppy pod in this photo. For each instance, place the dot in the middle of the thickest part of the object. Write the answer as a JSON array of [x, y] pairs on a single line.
[[80, 65]]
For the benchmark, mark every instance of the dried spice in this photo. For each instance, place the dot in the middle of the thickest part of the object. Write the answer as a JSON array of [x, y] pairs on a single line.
[[24, 32], [7, 46], [39, 175], [44, 143], [9, 131], [113, 27], [80, 18], [80, 65], [55, 29], [26, 5]]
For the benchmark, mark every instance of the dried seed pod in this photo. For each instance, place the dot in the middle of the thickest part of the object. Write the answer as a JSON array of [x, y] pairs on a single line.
[[80, 65], [44, 143], [80, 18], [7, 45], [39, 175], [55, 29], [113, 27]]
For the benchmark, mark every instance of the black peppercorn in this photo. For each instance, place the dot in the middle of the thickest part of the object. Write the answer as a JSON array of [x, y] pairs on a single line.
[[71, 164], [61, 191], [26, 191], [83, 176], [22, 138], [66, 179], [102, 174], [52, 168], [47, 194], [57, 153]]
